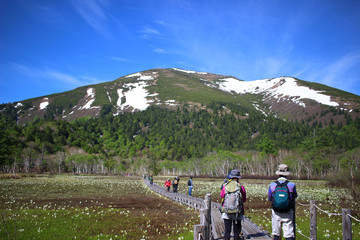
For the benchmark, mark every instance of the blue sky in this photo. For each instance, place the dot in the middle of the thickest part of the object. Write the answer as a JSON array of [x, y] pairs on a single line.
[[49, 46]]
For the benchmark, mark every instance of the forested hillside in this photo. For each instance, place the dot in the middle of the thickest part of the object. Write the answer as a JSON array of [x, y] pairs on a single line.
[[200, 141]]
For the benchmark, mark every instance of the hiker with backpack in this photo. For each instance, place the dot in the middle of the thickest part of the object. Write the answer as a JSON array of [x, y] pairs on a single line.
[[282, 194], [191, 185], [233, 196], [176, 184], [168, 184]]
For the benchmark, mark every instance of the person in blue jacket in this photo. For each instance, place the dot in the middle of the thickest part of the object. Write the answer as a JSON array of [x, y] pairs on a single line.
[[285, 217], [191, 185]]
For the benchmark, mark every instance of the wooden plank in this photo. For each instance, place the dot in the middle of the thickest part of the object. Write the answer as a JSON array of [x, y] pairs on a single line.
[[218, 227], [252, 231]]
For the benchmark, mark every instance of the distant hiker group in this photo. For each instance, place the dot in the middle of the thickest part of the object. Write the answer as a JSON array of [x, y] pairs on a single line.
[[175, 184]]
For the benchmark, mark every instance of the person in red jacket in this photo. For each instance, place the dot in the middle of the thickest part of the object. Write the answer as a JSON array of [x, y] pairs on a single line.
[[168, 184]]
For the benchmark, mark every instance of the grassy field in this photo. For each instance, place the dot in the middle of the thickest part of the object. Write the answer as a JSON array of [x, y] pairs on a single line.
[[258, 208], [89, 207], [99, 207]]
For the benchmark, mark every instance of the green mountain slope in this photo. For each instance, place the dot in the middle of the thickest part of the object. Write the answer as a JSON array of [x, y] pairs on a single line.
[[166, 119]]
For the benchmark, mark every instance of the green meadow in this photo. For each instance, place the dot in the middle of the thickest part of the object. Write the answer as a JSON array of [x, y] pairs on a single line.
[[89, 207], [112, 207]]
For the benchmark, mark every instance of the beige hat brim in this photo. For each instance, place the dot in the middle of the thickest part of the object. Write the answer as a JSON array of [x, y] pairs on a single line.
[[283, 173]]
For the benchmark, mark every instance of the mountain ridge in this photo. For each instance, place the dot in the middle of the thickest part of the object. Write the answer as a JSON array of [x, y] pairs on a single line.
[[285, 97]]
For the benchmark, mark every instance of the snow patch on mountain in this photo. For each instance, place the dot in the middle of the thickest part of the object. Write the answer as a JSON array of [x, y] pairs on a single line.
[[90, 99], [120, 94], [136, 94], [91, 92], [146, 78], [136, 97], [142, 77], [108, 94], [19, 105], [278, 87], [44, 104], [188, 71], [134, 75]]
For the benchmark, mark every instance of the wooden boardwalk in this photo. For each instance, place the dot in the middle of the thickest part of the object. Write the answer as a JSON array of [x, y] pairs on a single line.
[[249, 229]]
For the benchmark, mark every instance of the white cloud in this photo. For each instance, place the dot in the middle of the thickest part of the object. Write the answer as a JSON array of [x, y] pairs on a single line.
[[62, 77], [159, 50], [51, 76], [150, 31], [161, 23], [93, 12], [120, 59], [339, 68], [333, 74], [272, 67]]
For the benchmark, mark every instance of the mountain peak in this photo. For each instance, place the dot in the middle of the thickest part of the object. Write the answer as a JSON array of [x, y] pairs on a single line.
[[285, 97]]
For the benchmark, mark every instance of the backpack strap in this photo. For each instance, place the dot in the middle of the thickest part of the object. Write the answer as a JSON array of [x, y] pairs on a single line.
[[281, 184], [285, 183]]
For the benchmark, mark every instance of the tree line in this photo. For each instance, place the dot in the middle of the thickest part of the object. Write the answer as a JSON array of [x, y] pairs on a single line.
[[201, 141]]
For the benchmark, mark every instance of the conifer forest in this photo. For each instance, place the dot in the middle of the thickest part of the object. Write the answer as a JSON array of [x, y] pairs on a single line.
[[189, 141]]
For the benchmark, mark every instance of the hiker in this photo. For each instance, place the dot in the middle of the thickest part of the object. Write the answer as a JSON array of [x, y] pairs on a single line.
[[225, 181], [282, 193], [168, 184], [151, 179], [191, 185], [233, 196], [176, 184]]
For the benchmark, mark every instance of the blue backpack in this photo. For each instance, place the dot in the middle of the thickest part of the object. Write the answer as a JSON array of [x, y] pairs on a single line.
[[281, 197]]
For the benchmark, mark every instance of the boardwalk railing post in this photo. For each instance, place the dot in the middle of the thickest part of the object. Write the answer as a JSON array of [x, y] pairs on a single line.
[[203, 229], [346, 221], [313, 226], [207, 203]]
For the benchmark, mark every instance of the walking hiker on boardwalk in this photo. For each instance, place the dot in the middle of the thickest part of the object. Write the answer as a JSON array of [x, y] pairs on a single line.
[[233, 196], [282, 193], [168, 184], [191, 185], [176, 184]]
